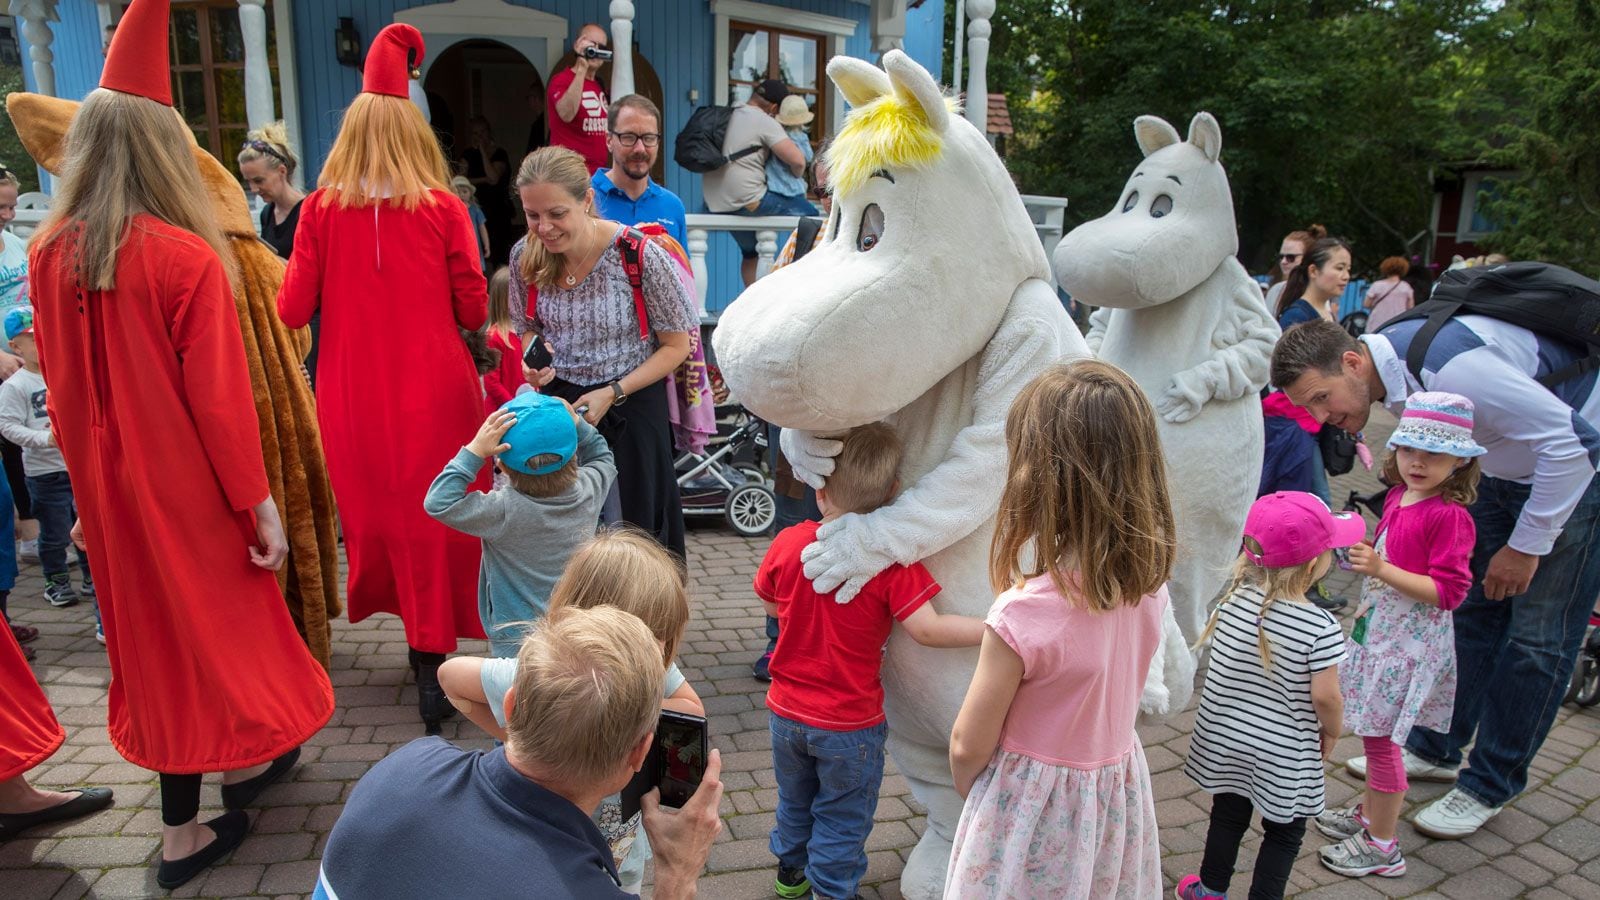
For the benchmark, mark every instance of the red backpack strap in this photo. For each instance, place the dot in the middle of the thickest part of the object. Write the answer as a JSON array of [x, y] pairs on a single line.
[[631, 245]]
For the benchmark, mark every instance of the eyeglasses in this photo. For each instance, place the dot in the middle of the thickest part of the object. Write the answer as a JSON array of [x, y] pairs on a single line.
[[1289, 257], [629, 139], [264, 147]]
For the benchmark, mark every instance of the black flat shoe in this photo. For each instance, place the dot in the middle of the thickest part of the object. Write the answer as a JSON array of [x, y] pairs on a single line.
[[230, 828], [89, 800], [238, 796]]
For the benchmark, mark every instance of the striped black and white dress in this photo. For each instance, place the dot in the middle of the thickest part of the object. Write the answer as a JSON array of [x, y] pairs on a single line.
[[1256, 734]]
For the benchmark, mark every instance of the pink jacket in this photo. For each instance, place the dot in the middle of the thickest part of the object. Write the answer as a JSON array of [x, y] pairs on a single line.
[[1434, 538]]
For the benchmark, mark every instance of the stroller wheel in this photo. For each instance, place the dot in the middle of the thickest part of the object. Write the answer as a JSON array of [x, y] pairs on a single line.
[[751, 509], [1585, 690]]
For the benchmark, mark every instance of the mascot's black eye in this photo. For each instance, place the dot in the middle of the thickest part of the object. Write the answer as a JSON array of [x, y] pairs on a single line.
[[871, 228], [1161, 206], [1132, 199]]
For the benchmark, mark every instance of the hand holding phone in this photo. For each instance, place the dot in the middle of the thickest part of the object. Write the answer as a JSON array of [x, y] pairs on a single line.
[[676, 762], [538, 355]]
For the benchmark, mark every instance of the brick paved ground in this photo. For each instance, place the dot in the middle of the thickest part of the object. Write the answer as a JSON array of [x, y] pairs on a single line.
[[1547, 845]]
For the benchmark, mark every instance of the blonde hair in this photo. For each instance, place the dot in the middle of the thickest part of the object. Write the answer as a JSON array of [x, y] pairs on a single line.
[[276, 136], [385, 151], [627, 569], [890, 132], [125, 155], [866, 471], [1288, 584], [1086, 489], [1461, 487], [9, 179], [565, 169], [500, 303], [588, 689]]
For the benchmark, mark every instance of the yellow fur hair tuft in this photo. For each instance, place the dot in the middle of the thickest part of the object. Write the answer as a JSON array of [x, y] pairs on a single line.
[[888, 133]]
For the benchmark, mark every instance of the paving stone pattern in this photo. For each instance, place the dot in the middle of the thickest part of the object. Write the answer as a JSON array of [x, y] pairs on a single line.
[[1545, 846]]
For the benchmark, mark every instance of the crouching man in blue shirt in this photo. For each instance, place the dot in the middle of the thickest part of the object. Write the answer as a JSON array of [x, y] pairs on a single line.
[[433, 820]]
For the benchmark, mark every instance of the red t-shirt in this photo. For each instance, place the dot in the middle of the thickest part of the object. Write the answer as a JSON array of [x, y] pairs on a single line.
[[825, 670], [586, 133]]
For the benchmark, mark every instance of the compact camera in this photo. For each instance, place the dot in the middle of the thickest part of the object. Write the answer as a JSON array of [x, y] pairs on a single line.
[[596, 53]]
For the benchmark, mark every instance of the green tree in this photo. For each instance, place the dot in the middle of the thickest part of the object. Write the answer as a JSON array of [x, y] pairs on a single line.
[[1551, 55], [11, 153], [1332, 111]]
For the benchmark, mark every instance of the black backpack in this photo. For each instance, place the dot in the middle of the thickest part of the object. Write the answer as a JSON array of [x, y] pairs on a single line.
[[698, 147], [1543, 298]]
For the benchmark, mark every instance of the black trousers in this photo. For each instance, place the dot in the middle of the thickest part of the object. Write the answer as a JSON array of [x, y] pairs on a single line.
[[1230, 819], [640, 434], [180, 798], [12, 455]]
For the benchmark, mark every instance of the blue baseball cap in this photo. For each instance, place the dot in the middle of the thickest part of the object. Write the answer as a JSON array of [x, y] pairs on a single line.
[[544, 425], [19, 320]]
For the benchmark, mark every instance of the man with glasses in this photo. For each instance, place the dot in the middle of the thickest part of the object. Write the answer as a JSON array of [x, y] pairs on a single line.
[[625, 193]]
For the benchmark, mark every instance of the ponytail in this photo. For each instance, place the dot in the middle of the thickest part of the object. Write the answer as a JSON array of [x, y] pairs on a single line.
[[1317, 255], [1284, 584]]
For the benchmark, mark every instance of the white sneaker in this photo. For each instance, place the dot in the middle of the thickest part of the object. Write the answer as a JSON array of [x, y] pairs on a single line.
[[28, 550], [1455, 815], [1417, 768]]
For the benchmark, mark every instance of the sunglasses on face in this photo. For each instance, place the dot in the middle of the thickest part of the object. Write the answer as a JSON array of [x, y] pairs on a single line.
[[629, 139], [1288, 257]]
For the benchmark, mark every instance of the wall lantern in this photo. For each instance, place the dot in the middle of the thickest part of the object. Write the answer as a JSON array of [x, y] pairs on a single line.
[[347, 43]]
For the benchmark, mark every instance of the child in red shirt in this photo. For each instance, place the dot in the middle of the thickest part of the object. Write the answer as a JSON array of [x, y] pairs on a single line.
[[826, 700]]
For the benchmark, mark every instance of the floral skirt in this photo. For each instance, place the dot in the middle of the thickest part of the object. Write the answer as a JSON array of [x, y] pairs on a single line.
[[1033, 829], [1403, 674]]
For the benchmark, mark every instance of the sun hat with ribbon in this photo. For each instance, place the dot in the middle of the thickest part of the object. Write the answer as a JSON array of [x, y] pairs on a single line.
[[1438, 422]]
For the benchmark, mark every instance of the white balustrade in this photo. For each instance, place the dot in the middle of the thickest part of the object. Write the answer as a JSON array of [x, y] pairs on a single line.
[[36, 16], [978, 31], [622, 46], [257, 75], [703, 225]]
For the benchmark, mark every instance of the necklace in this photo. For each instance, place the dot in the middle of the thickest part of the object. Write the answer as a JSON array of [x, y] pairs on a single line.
[[572, 280]]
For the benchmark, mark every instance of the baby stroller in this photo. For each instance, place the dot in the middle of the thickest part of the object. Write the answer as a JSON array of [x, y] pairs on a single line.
[[727, 479], [1584, 689]]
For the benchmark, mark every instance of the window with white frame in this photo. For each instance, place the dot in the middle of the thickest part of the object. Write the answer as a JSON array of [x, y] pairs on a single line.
[[756, 41], [1479, 190]]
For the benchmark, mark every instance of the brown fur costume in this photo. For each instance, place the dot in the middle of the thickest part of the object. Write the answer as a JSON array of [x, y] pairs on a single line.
[[290, 441]]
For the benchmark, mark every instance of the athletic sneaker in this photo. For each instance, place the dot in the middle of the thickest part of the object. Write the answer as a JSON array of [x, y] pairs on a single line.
[[792, 883], [1191, 888], [762, 668], [1323, 599], [28, 550], [1457, 814], [1357, 855], [100, 632], [1417, 768], [59, 592], [1342, 823], [86, 590]]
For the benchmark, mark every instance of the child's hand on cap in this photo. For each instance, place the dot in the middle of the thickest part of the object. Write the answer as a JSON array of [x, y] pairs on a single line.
[[490, 439]]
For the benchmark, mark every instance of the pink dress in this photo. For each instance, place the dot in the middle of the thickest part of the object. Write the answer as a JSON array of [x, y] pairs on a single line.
[[1065, 809]]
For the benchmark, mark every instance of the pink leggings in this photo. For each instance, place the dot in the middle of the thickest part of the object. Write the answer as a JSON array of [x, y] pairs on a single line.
[[1386, 774]]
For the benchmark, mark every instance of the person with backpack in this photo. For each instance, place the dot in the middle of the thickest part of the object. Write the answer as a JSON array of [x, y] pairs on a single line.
[[1509, 339], [739, 185], [617, 318], [625, 192]]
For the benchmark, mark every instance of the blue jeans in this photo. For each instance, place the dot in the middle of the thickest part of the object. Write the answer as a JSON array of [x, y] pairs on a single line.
[[827, 794], [1514, 656], [54, 508], [771, 205]]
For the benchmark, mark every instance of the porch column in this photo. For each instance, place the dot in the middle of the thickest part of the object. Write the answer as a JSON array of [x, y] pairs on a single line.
[[978, 30], [257, 76], [622, 46], [36, 16]]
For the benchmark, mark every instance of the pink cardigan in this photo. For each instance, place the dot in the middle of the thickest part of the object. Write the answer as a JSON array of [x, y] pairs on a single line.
[[1433, 538]]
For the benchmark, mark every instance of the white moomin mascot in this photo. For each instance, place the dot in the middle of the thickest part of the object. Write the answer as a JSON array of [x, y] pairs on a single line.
[[1181, 315], [928, 306]]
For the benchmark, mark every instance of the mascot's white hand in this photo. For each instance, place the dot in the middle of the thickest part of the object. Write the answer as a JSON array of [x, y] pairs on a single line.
[[1183, 397], [841, 561], [810, 455]]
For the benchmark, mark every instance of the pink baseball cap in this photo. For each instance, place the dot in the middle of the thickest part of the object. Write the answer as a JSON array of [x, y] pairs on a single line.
[[1294, 527]]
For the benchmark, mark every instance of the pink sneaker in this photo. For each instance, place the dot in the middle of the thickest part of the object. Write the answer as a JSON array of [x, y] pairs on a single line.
[[1190, 888]]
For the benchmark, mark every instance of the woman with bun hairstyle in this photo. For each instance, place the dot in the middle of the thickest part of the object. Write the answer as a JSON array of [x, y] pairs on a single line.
[[1314, 287], [386, 252], [1391, 295], [267, 163], [1290, 252]]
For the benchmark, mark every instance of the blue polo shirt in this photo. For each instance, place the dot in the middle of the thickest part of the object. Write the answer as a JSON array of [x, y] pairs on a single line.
[[433, 820], [656, 204]]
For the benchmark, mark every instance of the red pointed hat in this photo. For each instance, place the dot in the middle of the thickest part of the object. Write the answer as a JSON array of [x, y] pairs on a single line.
[[389, 69], [136, 61]]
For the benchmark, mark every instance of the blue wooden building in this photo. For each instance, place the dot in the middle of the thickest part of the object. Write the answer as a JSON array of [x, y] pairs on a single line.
[[240, 63]]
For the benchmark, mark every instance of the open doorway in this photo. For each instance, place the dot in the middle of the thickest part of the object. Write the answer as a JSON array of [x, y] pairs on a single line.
[[487, 104]]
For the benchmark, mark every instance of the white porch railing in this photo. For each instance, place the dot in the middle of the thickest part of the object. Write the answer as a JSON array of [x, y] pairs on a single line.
[[1048, 214]]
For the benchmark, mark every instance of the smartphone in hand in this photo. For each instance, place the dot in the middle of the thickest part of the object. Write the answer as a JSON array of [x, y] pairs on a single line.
[[538, 355], [676, 763]]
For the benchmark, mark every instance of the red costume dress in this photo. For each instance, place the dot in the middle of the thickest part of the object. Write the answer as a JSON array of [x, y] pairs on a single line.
[[397, 396], [150, 400], [29, 732]]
